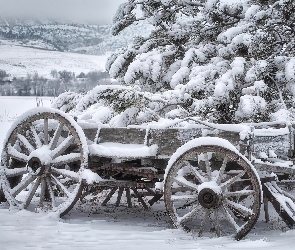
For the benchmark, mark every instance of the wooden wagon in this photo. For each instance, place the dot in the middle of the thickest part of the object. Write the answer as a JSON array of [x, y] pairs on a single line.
[[212, 178]]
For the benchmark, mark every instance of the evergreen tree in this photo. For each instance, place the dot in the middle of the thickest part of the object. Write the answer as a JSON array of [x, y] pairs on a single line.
[[226, 62]]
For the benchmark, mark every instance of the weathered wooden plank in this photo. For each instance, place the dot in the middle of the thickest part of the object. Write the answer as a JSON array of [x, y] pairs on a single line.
[[119, 135], [274, 168], [280, 144], [168, 140], [122, 135], [90, 133], [132, 169]]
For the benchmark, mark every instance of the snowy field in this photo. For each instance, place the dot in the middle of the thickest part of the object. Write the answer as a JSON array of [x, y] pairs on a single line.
[[89, 226], [20, 61], [13, 106]]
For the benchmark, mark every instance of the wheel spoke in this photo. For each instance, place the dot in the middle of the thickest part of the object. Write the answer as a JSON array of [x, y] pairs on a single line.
[[43, 190], [204, 221], [238, 193], [230, 219], [221, 171], [195, 172], [51, 192], [239, 207], [62, 147], [217, 224], [127, 190], [184, 198], [22, 185], [56, 136], [232, 180], [190, 214], [31, 192], [109, 196], [63, 188], [46, 131], [180, 180], [139, 198], [25, 142], [120, 192], [12, 172], [208, 168], [36, 137], [13, 153], [64, 159], [66, 173]]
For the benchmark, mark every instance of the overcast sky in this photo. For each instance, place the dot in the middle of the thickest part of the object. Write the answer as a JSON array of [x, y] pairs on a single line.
[[94, 11]]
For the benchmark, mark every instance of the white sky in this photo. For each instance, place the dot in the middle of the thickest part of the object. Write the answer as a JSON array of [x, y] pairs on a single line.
[[95, 11], [92, 11]]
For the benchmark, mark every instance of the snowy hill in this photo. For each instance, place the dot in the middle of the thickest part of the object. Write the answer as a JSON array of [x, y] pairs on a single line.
[[66, 36], [29, 46], [19, 61]]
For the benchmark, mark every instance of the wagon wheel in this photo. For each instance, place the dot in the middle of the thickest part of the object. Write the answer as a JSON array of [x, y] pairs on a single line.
[[43, 156], [212, 190]]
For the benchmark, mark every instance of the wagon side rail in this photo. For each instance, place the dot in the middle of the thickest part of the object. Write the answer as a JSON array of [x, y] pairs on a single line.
[[243, 136]]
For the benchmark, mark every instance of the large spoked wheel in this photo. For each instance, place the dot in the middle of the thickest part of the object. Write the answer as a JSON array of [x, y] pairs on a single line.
[[42, 160], [212, 190]]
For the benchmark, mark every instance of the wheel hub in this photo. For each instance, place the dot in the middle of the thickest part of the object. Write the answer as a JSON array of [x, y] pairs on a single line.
[[37, 167], [208, 198], [39, 160]]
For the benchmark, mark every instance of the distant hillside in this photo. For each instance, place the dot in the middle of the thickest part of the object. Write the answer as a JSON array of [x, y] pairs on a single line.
[[18, 61], [71, 37]]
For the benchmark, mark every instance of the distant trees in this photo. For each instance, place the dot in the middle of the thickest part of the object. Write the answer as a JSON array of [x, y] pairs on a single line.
[[66, 76], [3, 75], [54, 73], [81, 75], [61, 81]]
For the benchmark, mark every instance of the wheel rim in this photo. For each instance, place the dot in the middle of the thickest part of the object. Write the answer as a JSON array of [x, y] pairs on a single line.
[[212, 191], [42, 157]]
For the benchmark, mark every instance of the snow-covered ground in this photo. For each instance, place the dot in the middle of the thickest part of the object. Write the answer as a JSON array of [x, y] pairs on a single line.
[[20, 61], [90, 226]]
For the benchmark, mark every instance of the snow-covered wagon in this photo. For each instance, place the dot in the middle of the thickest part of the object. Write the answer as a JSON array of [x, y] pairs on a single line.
[[212, 178]]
